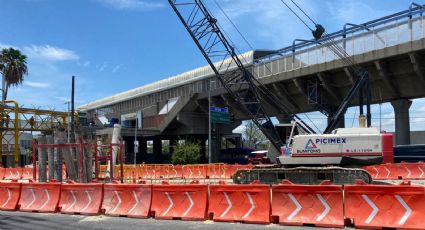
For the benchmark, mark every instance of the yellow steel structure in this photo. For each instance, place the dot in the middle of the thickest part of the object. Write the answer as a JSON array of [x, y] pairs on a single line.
[[14, 120]]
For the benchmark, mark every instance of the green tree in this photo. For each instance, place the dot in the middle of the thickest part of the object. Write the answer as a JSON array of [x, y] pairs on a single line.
[[13, 67], [253, 137], [186, 153]]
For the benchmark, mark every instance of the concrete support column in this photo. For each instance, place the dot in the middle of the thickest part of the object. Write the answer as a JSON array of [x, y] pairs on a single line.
[[402, 125], [157, 150]]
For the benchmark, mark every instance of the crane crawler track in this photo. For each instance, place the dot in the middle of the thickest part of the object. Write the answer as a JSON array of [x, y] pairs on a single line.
[[302, 175]]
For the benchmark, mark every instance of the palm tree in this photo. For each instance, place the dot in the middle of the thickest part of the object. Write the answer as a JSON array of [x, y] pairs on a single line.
[[13, 67]]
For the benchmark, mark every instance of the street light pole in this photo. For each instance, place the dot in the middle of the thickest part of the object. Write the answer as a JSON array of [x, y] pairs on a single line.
[[68, 122], [209, 123]]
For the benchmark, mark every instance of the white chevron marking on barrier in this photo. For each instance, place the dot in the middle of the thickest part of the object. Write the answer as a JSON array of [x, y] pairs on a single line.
[[190, 174], [409, 173], [17, 175], [374, 209], [297, 210], [48, 199], [90, 200], [10, 175], [118, 203], [422, 172], [136, 203], [377, 172], [74, 202], [190, 206], [171, 204], [252, 206], [9, 196], [199, 173], [408, 210], [33, 198], [388, 172], [229, 203], [327, 208]]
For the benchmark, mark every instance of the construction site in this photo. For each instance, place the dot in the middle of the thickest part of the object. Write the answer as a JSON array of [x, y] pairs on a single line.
[[166, 155]]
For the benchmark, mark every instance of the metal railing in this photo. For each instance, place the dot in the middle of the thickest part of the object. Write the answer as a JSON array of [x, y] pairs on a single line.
[[399, 28]]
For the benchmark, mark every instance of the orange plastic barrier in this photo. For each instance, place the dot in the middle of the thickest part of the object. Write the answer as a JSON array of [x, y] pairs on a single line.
[[9, 196], [165, 172], [147, 172], [131, 200], [186, 202], [383, 172], [385, 206], [1, 173], [27, 174], [84, 199], [12, 173], [319, 205], [195, 171], [411, 170], [232, 169], [130, 173], [241, 203], [39, 197], [176, 171], [217, 171]]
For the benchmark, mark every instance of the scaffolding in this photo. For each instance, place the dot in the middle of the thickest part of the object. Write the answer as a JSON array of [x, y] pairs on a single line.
[[15, 120]]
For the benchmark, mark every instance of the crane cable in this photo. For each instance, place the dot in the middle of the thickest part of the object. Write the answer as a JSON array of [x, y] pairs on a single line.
[[333, 45]]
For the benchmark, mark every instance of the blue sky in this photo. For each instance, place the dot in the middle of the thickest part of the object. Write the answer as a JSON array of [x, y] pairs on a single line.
[[115, 45]]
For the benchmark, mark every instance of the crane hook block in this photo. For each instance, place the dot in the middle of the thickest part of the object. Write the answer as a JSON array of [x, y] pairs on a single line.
[[317, 34]]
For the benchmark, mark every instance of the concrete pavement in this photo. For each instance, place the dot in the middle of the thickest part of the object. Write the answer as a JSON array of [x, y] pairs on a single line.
[[39, 221]]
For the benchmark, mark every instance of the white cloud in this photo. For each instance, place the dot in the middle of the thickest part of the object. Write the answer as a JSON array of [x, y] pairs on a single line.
[[103, 66], [84, 64], [354, 11], [5, 46], [39, 85], [139, 5], [50, 53], [272, 21], [64, 99], [116, 68]]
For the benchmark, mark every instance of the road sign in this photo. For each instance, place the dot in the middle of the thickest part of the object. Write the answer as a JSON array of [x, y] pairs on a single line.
[[219, 109], [217, 117]]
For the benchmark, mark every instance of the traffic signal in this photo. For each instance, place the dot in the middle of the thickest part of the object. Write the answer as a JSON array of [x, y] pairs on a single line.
[[232, 118]]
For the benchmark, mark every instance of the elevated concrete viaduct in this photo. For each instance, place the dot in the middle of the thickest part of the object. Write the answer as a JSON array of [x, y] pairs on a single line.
[[306, 76]]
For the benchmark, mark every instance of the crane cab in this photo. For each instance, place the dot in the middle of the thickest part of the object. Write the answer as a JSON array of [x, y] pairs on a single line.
[[344, 147]]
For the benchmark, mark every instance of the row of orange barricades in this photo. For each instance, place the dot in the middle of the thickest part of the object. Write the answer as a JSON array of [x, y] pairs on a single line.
[[168, 171], [23, 173], [389, 171], [360, 205]]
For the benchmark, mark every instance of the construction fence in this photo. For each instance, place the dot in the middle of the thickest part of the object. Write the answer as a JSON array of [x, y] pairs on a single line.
[[325, 205], [138, 173]]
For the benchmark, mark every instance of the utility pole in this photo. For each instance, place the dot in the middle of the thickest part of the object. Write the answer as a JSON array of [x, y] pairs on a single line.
[[136, 143], [209, 123], [68, 121], [72, 106]]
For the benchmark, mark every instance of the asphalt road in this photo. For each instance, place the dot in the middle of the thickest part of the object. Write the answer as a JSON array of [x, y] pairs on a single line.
[[38, 221]]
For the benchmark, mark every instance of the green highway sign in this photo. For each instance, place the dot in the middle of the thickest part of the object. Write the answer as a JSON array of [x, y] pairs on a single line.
[[219, 117]]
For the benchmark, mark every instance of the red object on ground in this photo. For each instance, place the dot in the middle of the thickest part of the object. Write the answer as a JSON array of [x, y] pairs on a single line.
[[240, 203], [84, 199], [131, 200], [385, 206], [186, 202], [319, 205], [39, 197], [9, 196]]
